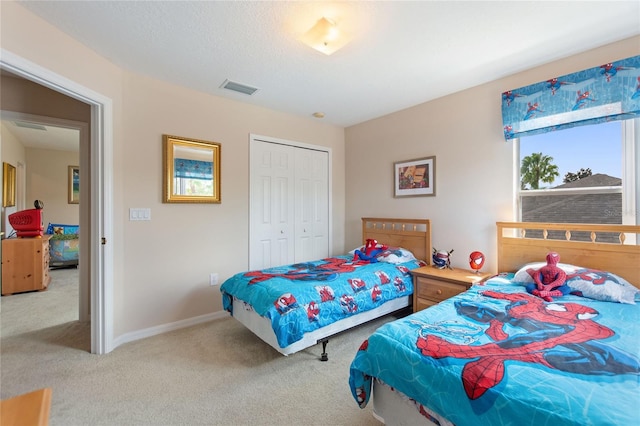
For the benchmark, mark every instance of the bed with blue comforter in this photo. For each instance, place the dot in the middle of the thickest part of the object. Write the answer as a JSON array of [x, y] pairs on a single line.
[[497, 355], [301, 298]]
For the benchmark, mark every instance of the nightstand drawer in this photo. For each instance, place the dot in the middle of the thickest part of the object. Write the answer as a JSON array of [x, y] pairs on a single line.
[[437, 290], [423, 304]]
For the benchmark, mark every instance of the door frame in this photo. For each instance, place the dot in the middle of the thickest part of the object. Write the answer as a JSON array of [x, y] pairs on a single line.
[[99, 209]]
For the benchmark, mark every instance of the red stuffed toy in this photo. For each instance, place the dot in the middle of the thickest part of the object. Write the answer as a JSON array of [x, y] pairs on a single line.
[[370, 253], [549, 281]]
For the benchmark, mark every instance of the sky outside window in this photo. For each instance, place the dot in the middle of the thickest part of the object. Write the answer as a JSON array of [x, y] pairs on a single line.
[[597, 147]]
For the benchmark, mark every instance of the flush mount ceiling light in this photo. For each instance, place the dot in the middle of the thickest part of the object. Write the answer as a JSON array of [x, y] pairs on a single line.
[[325, 37]]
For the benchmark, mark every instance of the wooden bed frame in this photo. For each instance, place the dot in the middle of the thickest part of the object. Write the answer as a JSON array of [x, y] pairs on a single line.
[[411, 234], [622, 258], [524, 242]]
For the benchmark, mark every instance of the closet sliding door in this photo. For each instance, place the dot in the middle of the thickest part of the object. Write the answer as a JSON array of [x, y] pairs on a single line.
[[289, 203]]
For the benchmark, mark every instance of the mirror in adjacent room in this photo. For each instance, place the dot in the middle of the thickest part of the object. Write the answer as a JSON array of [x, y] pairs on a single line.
[[191, 170]]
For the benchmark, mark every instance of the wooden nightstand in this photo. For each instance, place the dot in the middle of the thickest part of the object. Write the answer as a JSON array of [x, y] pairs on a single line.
[[432, 285]]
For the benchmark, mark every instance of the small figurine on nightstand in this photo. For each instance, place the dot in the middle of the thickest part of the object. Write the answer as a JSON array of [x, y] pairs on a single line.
[[476, 260], [442, 259]]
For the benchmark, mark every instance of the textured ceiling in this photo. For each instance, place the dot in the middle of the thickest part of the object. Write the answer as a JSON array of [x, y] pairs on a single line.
[[401, 54]]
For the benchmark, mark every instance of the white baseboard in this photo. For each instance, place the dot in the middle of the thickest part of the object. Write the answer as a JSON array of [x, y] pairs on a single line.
[[159, 329]]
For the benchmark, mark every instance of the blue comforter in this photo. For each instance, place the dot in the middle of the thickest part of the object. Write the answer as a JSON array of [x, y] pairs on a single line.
[[498, 355], [303, 297]]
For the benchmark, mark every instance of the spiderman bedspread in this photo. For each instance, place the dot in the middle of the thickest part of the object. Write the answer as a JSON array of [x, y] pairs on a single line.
[[303, 297], [498, 355]]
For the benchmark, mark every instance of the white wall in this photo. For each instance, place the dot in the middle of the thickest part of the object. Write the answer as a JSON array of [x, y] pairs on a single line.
[[474, 164], [161, 267]]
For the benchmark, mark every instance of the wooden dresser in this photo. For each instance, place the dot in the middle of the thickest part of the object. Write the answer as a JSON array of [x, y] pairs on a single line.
[[25, 264], [30, 409], [432, 285]]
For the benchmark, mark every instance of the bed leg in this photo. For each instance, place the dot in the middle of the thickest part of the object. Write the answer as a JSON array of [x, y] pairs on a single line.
[[324, 356]]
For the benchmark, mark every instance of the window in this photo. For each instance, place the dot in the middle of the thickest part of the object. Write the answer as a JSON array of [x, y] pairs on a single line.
[[586, 174]]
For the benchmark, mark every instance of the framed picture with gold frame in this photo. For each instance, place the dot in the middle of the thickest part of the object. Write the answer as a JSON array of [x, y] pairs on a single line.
[[74, 185], [191, 170], [9, 185]]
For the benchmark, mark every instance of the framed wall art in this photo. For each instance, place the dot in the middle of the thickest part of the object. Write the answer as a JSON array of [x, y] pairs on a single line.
[[9, 185], [415, 177], [191, 170], [73, 188]]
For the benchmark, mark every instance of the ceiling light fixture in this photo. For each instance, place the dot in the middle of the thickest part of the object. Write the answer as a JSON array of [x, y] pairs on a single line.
[[325, 37]]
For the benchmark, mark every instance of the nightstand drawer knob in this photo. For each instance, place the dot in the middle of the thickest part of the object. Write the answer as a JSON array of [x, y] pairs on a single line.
[[439, 291]]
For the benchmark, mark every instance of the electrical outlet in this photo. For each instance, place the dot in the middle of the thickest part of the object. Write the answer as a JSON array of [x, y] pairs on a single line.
[[213, 278]]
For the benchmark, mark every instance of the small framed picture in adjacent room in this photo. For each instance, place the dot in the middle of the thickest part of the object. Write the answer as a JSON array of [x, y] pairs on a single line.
[[74, 185], [9, 185]]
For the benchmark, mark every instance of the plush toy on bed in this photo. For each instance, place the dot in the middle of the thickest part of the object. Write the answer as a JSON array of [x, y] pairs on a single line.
[[370, 253], [549, 280]]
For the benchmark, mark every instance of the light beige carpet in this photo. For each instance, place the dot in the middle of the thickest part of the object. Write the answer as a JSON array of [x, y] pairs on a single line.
[[216, 373]]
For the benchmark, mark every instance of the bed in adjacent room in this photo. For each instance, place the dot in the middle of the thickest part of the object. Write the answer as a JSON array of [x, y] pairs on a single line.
[[64, 245], [293, 307], [497, 354]]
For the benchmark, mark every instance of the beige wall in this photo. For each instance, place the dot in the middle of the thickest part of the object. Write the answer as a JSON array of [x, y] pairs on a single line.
[[162, 266], [14, 153], [474, 164], [47, 180], [193, 240]]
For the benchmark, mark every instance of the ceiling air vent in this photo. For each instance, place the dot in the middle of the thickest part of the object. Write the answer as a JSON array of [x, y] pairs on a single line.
[[237, 87]]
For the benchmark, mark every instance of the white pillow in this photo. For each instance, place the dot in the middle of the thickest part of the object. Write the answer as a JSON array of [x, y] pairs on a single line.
[[396, 255], [591, 283]]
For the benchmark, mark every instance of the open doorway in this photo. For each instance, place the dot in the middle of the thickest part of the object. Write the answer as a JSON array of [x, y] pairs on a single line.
[[96, 254], [46, 150]]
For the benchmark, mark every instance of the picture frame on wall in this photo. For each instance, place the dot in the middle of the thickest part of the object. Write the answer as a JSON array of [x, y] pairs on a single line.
[[191, 170], [415, 177], [9, 185], [74, 185]]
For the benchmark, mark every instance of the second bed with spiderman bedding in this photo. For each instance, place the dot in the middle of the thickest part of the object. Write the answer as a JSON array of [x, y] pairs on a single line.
[[295, 306]]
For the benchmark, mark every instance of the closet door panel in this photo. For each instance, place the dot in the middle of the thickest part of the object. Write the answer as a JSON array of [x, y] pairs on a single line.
[[271, 207], [312, 205]]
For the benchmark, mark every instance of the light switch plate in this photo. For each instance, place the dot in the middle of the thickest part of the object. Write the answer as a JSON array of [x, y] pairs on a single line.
[[139, 214]]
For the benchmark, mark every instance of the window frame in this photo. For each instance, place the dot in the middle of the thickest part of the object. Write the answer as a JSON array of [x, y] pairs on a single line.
[[630, 177]]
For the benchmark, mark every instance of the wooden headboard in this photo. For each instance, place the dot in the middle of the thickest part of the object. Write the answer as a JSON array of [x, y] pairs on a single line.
[[612, 248], [412, 234]]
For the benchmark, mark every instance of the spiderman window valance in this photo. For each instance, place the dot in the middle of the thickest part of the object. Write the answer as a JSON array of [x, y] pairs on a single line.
[[607, 92]]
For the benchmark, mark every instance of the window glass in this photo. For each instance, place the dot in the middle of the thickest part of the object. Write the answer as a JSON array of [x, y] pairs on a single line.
[[596, 148], [573, 175]]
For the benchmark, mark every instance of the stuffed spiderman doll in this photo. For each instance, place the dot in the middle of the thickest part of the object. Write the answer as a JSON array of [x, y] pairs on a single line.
[[370, 253], [549, 281]]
